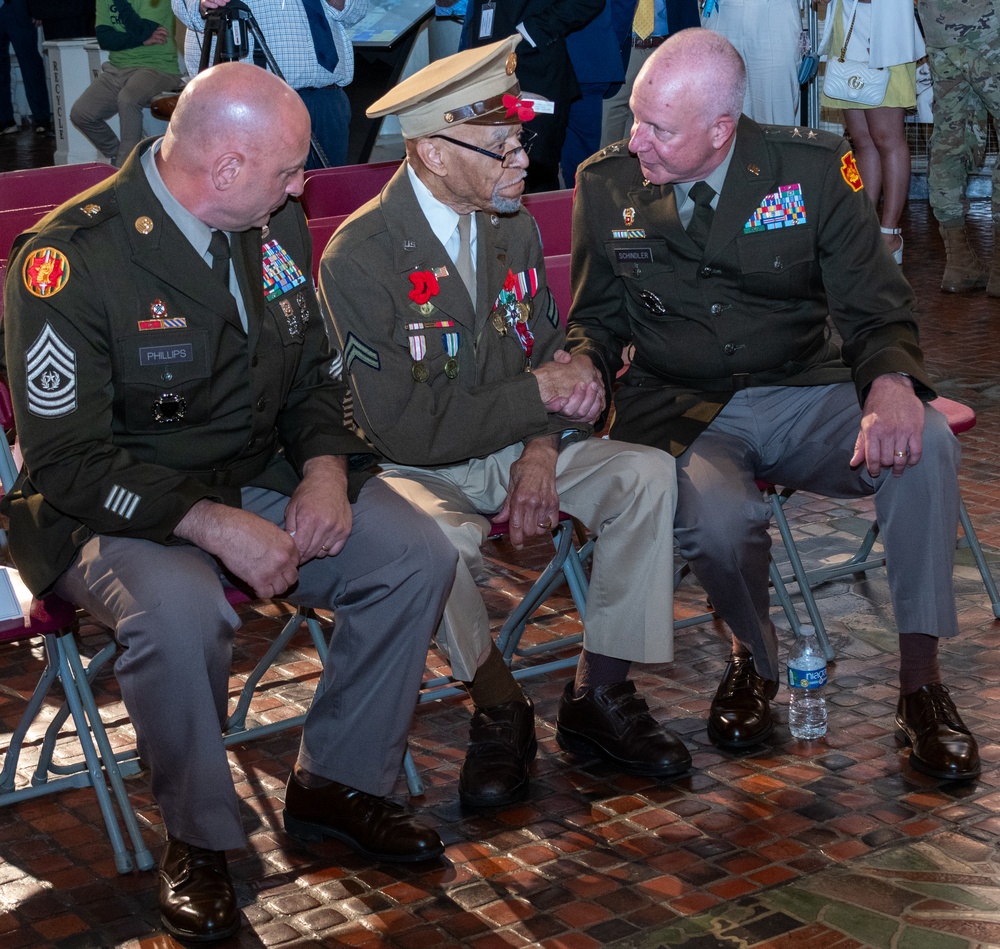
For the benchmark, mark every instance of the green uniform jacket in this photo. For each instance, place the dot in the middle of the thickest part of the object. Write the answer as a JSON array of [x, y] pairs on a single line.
[[422, 398], [136, 391], [794, 238]]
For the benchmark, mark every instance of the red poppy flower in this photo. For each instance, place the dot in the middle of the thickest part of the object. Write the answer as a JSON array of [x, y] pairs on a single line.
[[425, 286]]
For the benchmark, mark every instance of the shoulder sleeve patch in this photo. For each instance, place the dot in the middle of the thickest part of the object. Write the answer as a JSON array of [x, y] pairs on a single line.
[[45, 272], [51, 375], [849, 170]]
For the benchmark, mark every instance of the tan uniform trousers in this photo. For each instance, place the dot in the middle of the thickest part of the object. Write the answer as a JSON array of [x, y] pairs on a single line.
[[624, 494]]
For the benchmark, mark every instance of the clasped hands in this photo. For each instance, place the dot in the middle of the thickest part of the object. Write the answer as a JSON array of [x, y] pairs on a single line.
[[572, 387]]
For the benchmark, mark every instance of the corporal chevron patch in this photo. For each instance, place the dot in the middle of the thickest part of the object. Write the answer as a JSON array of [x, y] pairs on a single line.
[[51, 375], [358, 350], [553, 311]]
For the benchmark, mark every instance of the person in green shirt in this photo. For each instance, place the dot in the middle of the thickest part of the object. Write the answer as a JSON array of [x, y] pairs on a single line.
[[142, 64]]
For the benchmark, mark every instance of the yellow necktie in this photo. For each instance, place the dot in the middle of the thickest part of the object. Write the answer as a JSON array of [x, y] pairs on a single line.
[[642, 22]]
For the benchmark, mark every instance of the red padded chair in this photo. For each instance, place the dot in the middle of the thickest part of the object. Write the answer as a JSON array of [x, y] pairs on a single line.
[[49, 187], [553, 211], [341, 190]]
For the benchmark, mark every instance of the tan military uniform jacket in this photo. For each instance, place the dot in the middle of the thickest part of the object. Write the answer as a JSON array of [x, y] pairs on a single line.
[[794, 239], [136, 390], [438, 384]]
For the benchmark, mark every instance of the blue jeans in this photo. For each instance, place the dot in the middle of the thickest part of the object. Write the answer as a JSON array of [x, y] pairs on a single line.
[[330, 112], [17, 30]]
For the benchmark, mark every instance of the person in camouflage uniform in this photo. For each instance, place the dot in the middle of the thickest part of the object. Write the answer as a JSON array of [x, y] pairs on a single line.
[[963, 49]]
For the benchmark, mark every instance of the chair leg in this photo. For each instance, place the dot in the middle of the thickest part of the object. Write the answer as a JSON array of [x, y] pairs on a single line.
[[9, 773], [413, 780], [972, 539], [235, 728], [143, 858], [801, 577]]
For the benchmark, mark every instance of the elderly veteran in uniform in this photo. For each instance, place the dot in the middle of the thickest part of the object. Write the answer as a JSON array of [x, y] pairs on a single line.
[[181, 430], [738, 241], [453, 347]]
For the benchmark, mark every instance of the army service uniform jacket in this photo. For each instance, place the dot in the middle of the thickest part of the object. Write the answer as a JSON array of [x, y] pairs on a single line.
[[136, 390], [794, 238], [436, 382]]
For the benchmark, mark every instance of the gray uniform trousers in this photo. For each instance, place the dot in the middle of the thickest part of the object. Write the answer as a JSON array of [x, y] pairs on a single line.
[[803, 437], [169, 612], [625, 494]]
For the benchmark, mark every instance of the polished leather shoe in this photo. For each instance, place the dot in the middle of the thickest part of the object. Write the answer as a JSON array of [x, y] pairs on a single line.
[[372, 826], [501, 746], [740, 716], [197, 900], [613, 722], [942, 746]]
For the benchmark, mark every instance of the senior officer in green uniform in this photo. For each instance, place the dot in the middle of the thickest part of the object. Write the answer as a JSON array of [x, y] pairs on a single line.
[[717, 247], [452, 342], [181, 430]]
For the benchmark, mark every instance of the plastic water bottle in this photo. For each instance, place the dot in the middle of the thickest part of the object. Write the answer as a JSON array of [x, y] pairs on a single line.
[[806, 678]]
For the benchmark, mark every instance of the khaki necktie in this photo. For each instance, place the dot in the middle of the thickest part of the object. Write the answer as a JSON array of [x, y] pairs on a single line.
[[643, 21], [218, 247], [463, 262], [701, 221]]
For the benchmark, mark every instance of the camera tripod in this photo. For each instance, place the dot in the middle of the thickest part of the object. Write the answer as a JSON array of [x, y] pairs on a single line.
[[229, 26]]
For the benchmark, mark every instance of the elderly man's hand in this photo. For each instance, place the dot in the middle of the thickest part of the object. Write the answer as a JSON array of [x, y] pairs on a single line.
[[892, 427], [532, 504], [572, 387]]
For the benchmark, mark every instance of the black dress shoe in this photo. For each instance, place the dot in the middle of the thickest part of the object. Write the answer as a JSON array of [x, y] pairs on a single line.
[[942, 746], [197, 900], [740, 716], [372, 826], [501, 746], [613, 722]]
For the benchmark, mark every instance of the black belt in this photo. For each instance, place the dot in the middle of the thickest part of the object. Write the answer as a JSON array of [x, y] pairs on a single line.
[[650, 42]]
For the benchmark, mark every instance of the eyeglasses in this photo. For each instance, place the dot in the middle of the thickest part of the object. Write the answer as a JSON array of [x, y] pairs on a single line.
[[526, 137]]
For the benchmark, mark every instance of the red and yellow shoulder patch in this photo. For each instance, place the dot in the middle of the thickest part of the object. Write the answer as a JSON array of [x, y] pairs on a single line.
[[45, 272], [849, 169]]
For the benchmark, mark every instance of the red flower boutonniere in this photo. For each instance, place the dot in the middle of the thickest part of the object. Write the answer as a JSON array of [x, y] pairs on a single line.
[[524, 108], [425, 286]]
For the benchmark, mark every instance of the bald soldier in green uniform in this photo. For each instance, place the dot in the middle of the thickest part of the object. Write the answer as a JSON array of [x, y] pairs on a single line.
[[717, 248], [456, 364], [181, 430]]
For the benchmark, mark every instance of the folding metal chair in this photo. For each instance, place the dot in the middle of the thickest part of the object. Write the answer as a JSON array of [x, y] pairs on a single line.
[[102, 768], [960, 418]]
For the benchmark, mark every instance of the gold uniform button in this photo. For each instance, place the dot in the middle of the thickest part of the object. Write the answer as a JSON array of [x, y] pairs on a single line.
[[144, 225]]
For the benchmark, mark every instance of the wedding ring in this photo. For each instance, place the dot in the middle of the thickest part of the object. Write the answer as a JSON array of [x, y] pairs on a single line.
[[900, 454], [324, 547]]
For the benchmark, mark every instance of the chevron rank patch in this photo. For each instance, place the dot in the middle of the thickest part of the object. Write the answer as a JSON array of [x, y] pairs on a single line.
[[45, 272], [782, 208], [51, 375], [357, 350]]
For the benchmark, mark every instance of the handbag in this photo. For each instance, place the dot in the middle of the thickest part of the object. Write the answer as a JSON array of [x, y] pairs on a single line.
[[854, 81]]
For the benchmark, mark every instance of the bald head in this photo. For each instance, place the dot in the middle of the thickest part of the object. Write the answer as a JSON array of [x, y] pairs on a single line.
[[702, 66], [687, 101], [231, 122]]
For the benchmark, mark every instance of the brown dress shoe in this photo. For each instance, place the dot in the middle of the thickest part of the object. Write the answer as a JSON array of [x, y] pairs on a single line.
[[740, 716], [372, 826], [501, 746], [197, 900], [613, 722], [942, 746]]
